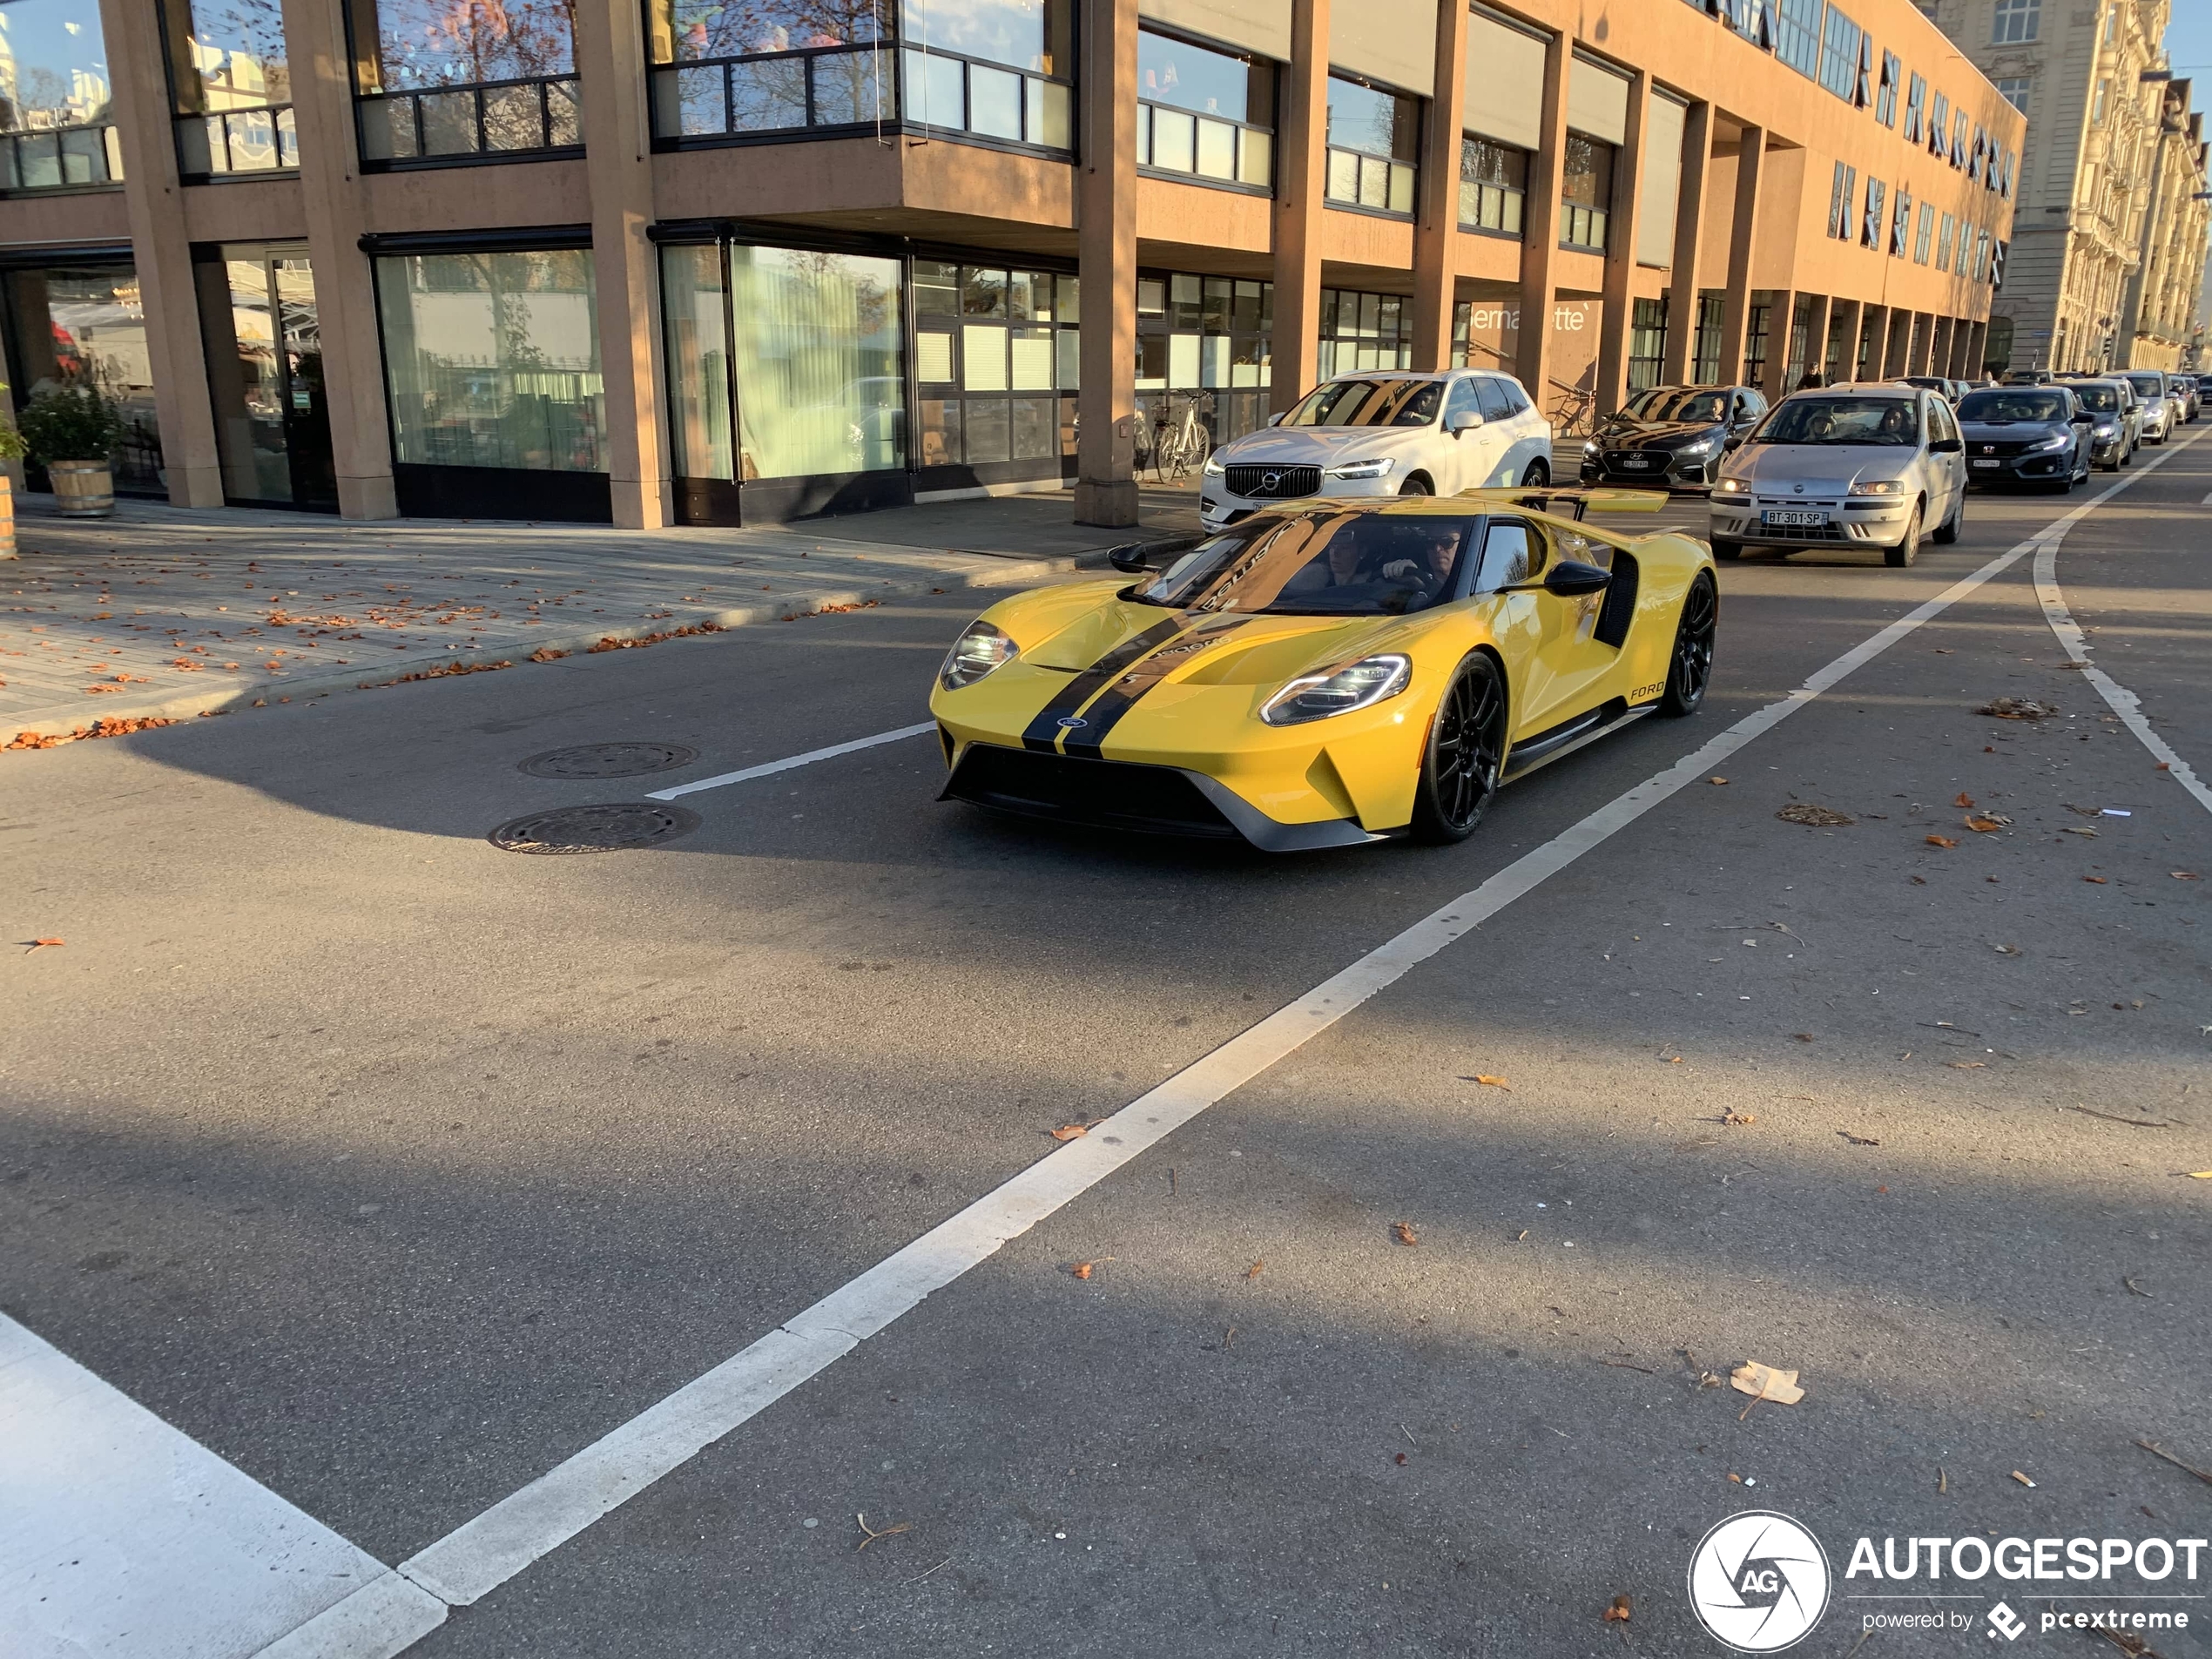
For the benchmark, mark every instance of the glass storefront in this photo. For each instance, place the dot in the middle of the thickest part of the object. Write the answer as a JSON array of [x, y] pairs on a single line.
[[1205, 336], [87, 323], [264, 345], [996, 355], [55, 123]]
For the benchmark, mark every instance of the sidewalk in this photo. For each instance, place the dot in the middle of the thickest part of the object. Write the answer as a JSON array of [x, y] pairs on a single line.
[[162, 612]]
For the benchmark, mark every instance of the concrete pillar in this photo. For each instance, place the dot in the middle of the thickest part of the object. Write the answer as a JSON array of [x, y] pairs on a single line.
[[1742, 236], [1845, 318], [336, 206], [625, 266], [1976, 344], [1689, 231], [1436, 235], [1876, 344], [162, 251], [1781, 324], [1940, 350], [1816, 341], [1613, 325], [1301, 175], [1106, 251], [1539, 227]]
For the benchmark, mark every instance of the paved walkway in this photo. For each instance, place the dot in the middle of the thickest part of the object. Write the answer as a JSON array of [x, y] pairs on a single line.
[[160, 612]]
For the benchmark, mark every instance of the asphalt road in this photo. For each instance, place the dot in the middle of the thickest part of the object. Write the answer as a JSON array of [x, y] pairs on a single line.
[[394, 1168]]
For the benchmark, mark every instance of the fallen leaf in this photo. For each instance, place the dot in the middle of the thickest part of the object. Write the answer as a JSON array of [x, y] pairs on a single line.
[[1858, 1140], [38, 944], [1735, 1479], [2070, 830], [1986, 826], [1716, 780], [1802, 1036], [1253, 1272], [2094, 880], [2185, 875], [1941, 841], [1616, 1611], [1964, 800], [1401, 1459], [1814, 816], [1404, 1234], [1071, 1132], [1081, 1269], [1494, 1082], [546, 654], [2198, 1175], [888, 1531], [1740, 1119], [1674, 1061], [1763, 1381], [2022, 1479], [2018, 708], [2007, 950]]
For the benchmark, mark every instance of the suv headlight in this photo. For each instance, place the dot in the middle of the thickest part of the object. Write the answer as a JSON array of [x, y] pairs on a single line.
[[1213, 468], [1732, 487], [975, 654], [2062, 441], [2108, 430], [1703, 447], [1316, 697], [1880, 487], [1378, 468]]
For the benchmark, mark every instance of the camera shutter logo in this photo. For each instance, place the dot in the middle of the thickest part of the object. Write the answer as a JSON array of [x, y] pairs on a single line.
[[1759, 1581]]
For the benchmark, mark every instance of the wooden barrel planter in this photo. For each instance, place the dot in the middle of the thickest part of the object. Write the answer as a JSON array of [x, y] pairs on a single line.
[[84, 489]]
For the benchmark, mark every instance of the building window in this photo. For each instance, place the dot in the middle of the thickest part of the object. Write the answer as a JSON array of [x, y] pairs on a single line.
[[1494, 183], [1205, 111], [1711, 311], [1842, 195], [1841, 43], [56, 130], [437, 85], [87, 325], [1204, 340], [1793, 368], [1916, 103], [1870, 229], [1585, 192], [996, 356], [2014, 89], [786, 65], [1901, 222], [2018, 22], [1959, 138], [263, 335], [2097, 103], [1364, 331], [1943, 243], [1922, 236], [1885, 100], [1374, 137], [1796, 38], [1758, 324], [232, 87], [817, 348], [492, 360], [1647, 344], [1938, 124]]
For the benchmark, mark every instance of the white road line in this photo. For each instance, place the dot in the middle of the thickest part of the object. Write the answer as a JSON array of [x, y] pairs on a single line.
[[768, 769], [123, 1537], [2124, 703], [484, 1553]]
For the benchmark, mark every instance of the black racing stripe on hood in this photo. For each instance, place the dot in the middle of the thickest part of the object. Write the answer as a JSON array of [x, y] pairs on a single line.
[[1129, 688], [1044, 730]]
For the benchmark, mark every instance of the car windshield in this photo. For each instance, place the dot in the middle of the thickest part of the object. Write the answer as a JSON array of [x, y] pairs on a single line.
[[1841, 420], [2146, 384], [2099, 400], [1391, 402], [1999, 408], [1672, 403], [1324, 563]]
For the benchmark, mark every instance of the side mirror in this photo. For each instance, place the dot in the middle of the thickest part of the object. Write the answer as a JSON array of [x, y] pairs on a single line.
[[1570, 578], [1275, 420], [1734, 441], [2082, 417], [1128, 559], [1465, 421], [1947, 447]]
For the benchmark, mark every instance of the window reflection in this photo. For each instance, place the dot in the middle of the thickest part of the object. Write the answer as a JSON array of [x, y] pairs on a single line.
[[1028, 34], [688, 31], [56, 73], [402, 45], [88, 324], [820, 384]]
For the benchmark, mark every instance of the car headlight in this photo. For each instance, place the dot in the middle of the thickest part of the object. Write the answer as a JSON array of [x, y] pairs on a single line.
[[975, 654], [1213, 468], [1316, 697], [2063, 440], [1593, 449], [1732, 487], [1362, 468], [1880, 487], [1703, 447], [2108, 431]]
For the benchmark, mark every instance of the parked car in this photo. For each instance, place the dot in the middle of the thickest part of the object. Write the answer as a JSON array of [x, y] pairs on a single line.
[[2026, 435], [2191, 394], [1941, 385], [2157, 399], [1382, 434], [2026, 377], [1671, 436], [1858, 465], [2116, 421]]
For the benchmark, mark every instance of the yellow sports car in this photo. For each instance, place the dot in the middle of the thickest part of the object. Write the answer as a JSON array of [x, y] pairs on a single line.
[[1329, 672]]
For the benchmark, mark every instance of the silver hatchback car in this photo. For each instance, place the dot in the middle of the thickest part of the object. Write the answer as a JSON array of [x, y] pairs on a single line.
[[1873, 465]]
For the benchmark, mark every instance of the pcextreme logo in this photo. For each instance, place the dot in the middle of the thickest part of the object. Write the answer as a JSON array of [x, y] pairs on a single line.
[[1759, 1581]]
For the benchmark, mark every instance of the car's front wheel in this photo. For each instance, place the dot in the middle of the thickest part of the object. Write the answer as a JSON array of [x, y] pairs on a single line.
[[1908, 546], [1417, 485], [1467, 746], [1690, 669], [1538, 475]]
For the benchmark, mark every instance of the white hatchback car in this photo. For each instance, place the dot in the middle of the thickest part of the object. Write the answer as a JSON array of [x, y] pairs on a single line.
[[1383, 433]]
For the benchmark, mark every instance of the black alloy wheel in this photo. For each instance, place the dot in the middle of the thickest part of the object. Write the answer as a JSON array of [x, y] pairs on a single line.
[[1690, 669], [1416, 485], [1538, 475], [1467, 747]]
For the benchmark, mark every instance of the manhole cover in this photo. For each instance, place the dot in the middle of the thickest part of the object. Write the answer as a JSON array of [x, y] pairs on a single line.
[[594, 829], [609, 760]]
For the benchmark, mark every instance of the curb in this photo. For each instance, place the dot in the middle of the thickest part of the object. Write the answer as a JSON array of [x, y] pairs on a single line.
[[63, 719]]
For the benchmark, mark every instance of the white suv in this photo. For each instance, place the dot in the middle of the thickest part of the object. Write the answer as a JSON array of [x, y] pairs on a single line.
[[1383, 433]]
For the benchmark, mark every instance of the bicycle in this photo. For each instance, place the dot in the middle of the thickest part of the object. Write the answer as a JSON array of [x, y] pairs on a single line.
[[1180, 447]]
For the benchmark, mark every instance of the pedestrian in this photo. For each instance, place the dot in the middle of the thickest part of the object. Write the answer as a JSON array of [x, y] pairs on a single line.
[[1812, 381]]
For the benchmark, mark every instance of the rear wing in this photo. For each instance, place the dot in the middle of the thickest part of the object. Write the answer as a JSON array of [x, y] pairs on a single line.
[[1570, 503]]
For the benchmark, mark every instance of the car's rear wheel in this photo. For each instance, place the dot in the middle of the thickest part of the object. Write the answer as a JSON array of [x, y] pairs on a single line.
[[1690, 669], [1946, 534], [1908, 548], [1537, 476], [1467, 746]]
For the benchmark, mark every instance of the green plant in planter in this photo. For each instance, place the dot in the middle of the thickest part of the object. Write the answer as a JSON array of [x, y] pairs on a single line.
[[73, 421]]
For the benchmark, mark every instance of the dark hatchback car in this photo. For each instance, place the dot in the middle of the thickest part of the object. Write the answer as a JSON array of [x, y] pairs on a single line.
[[1671, 436], [2026, 435]]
